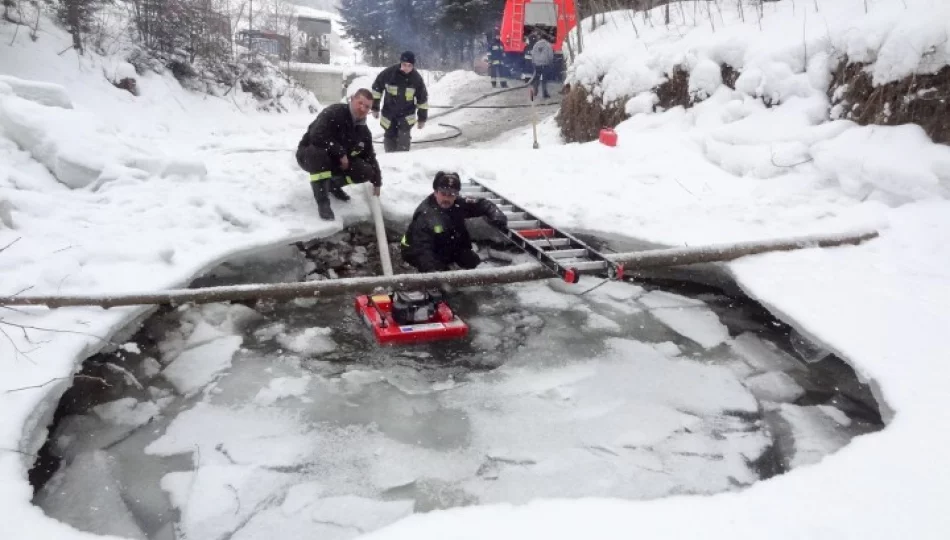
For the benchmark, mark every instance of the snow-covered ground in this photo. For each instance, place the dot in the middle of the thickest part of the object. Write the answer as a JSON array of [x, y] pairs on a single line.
[[176, 182]]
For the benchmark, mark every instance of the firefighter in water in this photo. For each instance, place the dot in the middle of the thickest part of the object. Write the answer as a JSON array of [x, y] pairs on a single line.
[[496, 53], [437, 236], [406, 98]]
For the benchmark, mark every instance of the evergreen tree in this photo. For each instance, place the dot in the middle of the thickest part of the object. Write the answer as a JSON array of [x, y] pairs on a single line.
[[442, 33]]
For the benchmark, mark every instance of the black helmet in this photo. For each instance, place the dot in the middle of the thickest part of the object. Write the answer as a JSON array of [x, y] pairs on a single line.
[[448, 182]]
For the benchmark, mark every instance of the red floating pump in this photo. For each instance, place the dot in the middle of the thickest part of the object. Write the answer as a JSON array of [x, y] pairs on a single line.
[[387, 319], [608, 137]]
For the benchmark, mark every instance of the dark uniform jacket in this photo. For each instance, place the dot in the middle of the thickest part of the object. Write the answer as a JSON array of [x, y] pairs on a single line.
[[496, 51], [436, 234], [335, 131], [404, 92]]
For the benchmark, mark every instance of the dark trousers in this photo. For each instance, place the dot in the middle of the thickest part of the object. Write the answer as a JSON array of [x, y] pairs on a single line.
[[464, 258], [318, 163], [497, 74], [540, 79], [397, 137]]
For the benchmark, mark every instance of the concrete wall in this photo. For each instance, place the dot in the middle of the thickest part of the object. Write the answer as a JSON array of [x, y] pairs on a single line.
[[327, 86], [327, 82]]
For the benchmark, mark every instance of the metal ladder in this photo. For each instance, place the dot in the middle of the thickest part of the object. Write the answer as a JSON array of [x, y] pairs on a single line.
[[557, 250], [517, 20]]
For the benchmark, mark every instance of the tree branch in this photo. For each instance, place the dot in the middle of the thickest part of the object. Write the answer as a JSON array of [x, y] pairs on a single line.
[[25, 327], [4, 248], [47, 383]]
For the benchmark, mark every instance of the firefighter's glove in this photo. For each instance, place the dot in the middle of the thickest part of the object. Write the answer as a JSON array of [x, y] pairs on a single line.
[[376, 115], [499, 222]]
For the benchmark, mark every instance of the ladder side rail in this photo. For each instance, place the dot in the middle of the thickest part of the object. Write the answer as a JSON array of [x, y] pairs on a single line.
[[539, 254], [614, 270]]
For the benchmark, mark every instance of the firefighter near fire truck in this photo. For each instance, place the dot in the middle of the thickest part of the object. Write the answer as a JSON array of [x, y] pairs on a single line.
[[496, 55], [524, 20], [405, 102], [543, 57]]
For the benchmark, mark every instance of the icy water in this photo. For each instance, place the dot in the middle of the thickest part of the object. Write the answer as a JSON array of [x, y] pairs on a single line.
[[286, 420]]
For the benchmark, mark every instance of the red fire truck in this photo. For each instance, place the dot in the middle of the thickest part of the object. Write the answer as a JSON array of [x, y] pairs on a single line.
[[554, 17]]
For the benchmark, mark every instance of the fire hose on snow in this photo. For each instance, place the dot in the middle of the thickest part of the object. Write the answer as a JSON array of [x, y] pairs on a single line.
[[471, 105]]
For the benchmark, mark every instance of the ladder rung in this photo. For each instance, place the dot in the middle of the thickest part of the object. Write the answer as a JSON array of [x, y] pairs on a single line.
[[495, 200], [516, 216], [506, 207], [525, 224], [551, 242], [532, 234], [474, 193], [566, 253], [585, 265]]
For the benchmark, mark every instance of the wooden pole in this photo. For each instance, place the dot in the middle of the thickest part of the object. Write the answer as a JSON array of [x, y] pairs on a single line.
[[534, 114], [457, 278]]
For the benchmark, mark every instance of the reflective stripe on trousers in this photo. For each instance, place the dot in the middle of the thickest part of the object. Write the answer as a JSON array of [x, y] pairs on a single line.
[[324, 175]]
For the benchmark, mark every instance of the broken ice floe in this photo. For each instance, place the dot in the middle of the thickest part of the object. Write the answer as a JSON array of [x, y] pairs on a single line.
[[690, 318], [216, 500], [282, 387], [309, 341], [87, 494], [195, 368]]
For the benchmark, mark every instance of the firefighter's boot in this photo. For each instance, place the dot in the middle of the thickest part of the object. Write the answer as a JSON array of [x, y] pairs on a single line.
[[336, 188], [320, 190]]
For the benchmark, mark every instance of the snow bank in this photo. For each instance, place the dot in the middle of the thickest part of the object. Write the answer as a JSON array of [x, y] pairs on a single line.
[[785, 54], [773, 44], [78, 150], [52, 95]]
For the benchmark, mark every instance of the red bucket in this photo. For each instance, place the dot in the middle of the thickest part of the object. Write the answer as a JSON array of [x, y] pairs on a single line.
[[608, 137]]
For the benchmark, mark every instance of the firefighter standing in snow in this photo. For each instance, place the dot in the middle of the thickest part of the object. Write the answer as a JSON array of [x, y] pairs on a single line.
[[496, 52], [437, 236], [542, 55], [405, 97], [528, 64], [337, 150]]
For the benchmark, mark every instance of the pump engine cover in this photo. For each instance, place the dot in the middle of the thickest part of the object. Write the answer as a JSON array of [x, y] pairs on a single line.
[[413, 307]]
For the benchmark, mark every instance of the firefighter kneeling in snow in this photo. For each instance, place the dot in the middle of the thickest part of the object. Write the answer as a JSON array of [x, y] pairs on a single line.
[[437, 236], [337, 150]]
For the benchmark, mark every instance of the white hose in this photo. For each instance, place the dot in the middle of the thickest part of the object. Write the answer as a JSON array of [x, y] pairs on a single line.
[[380, 231]]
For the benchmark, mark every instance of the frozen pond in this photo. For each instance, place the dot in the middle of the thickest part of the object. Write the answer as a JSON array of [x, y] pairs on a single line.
[[286, 420]]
